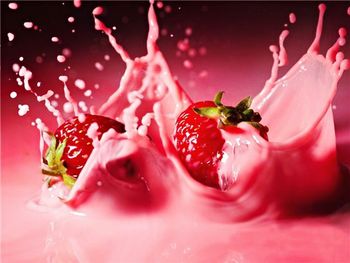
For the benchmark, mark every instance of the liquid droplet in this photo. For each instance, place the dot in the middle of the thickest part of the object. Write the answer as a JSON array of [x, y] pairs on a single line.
[[61, 58], [13, 6], [292, 18], [13, 94], [79, 83], [10, 36], [54, 39], [99, 66], [23, 109], [77, 3], [28, 24]]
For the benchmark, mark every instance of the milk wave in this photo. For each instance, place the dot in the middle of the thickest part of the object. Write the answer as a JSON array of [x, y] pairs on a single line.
[[166, 216], [296, 168]]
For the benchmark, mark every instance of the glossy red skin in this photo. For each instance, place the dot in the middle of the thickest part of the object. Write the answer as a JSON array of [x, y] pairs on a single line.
[[79, 145], [199, 144]]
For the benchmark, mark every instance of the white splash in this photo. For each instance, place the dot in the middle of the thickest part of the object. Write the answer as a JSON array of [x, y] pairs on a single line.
[[28, 24], [79, 83], [61, 58], [55, 39], [23, 109], [13, 94], [13, 6], [10, 36]]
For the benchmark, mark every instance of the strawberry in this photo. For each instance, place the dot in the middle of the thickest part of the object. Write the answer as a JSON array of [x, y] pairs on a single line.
[[71, 147], [198, 139]]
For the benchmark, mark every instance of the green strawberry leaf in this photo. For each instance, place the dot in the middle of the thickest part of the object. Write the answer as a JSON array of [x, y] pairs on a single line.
[[248, 114], [50, 154], [55, 165], [68, 180], [48, 171], [59, 150], [244, 104], [232, 116], [209, 112], [218, 98], [255, 124]]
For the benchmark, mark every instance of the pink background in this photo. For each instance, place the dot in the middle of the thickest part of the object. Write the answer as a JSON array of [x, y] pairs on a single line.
[[236, 36]]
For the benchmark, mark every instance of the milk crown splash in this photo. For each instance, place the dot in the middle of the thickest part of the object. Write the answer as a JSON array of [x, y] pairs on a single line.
[[237, 172], [184, 206], [149, 100]]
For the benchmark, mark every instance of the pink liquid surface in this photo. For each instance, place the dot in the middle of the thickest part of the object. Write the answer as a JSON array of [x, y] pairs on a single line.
[[178, 219]]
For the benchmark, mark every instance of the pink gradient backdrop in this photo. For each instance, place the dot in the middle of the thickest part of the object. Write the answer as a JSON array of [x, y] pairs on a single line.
[[236, 36]]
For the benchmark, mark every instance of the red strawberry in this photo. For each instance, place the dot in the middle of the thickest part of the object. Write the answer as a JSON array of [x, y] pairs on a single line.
[[198, 139], [71, 147]]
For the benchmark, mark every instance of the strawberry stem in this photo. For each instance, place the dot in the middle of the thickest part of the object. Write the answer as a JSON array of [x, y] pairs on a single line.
[[53, 165], [232, 116]]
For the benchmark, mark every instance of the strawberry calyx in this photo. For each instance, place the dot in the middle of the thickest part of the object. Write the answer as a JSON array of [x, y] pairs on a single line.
[[53, 165], [232, 116]]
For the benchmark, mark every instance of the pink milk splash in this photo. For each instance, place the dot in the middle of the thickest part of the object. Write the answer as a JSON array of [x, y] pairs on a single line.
[[163, 214]]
